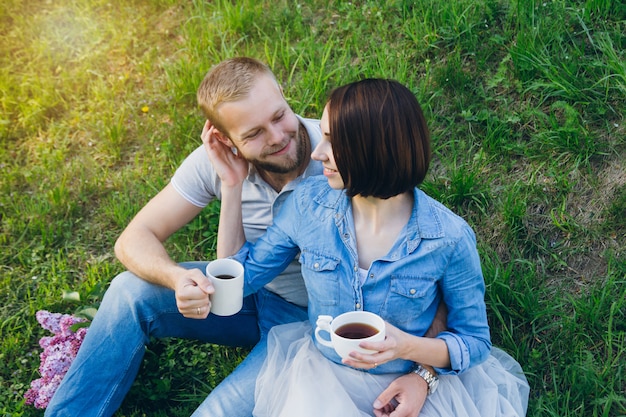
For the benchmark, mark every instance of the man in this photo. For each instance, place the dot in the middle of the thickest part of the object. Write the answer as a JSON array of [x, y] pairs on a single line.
[[157, 297]]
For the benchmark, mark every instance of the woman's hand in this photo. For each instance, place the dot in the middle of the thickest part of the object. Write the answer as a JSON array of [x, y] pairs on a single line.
[[396, 345], [401, 345], [230, 167]]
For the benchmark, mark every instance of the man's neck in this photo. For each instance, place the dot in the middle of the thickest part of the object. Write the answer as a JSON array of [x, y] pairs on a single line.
[[277, 180]]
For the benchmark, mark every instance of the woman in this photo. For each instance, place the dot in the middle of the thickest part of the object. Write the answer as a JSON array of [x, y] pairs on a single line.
[[369, 239]]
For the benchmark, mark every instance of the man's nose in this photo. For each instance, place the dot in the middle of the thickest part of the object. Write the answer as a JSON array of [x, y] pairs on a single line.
[[275, 135]]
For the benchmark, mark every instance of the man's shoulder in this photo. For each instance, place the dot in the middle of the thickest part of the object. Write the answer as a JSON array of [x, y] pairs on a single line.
[[195, 179], [309, 121], [312, 127]]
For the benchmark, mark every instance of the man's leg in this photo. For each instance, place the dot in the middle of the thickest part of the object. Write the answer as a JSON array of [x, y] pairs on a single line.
[[234, 396], [133, 311]]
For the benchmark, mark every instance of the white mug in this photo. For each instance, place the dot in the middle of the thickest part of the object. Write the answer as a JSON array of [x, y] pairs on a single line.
[[349, 329], [226, 275]]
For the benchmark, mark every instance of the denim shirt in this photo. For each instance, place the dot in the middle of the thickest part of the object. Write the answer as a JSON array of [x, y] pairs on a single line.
[[433, 259]]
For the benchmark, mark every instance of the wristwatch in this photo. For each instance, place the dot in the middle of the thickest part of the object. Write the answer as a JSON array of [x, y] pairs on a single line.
[[431, 380]]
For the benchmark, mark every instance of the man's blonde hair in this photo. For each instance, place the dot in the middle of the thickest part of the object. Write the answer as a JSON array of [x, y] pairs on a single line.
[[229, 81]]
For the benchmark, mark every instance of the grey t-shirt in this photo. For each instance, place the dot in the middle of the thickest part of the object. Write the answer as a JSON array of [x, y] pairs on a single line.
[[196, 181]]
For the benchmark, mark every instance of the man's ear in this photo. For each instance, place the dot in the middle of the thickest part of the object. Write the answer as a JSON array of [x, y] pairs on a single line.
[[223, 138]]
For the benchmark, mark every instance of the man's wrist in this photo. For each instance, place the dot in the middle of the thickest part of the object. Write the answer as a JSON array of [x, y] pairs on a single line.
[[429, 375]]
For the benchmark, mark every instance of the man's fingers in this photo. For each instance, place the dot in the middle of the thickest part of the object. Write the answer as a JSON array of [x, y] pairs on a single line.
[[198, 290], [193, 302], [205, 285], [384, 399]]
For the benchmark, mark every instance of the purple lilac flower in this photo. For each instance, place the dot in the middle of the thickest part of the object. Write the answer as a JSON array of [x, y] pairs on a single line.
[[58, 353]]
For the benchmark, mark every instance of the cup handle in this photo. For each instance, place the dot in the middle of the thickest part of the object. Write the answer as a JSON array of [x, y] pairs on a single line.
[[323, 324]]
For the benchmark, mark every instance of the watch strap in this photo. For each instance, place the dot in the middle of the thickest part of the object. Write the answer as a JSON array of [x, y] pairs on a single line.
[[428, 376]]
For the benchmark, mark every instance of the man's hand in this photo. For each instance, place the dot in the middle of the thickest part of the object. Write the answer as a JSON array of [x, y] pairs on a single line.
[[230, 167], [404, 397], [192, 294]]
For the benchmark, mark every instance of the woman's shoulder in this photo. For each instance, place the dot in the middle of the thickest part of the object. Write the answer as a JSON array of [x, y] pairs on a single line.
[[450, 222], [314, 181], [312, 186], [315, 191]]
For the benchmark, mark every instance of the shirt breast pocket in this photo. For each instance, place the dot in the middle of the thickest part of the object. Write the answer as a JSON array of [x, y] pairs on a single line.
[[408, 298], [321, 276]]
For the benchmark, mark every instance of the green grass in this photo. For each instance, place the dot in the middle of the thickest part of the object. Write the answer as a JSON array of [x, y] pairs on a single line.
[[526, 104]]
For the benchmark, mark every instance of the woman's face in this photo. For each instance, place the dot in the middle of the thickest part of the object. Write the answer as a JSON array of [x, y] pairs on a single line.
[[323, 152]]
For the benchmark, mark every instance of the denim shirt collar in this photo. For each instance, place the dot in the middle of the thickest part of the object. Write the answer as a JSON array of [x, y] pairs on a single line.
[[424, 222]]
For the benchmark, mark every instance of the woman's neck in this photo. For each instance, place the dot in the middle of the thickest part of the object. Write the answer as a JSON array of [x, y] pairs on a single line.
[[377, 224], [379, 213]]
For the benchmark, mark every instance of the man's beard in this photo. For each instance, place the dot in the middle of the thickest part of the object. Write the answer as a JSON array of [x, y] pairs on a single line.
[[285, 166]]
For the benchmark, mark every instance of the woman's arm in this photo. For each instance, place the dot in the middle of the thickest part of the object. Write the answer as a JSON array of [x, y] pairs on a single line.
[[232, 170], [463, 289], [230, 234], [466, 341]]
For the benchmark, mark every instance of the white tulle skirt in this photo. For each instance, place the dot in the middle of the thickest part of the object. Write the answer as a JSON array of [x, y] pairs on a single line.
[[297, 380]]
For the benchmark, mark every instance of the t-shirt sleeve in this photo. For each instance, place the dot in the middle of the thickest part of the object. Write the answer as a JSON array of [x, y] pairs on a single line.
[[196, 180]]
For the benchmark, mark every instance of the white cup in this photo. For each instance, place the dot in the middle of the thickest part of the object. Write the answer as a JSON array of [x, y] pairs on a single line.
[[226, 275], [349, 329]]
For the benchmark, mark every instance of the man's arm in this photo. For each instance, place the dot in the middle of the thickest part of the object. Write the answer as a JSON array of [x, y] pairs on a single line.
[[405, 396], [140, 248]]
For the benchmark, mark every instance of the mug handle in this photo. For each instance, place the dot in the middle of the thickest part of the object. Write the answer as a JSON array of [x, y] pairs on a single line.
[[323, 324]]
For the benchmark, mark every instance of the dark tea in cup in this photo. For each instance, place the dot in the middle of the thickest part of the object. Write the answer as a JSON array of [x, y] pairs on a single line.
[[224, 276], [356, 331], [348, 330]]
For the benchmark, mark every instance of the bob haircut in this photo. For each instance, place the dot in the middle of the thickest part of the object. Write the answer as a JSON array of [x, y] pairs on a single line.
[[379, 138], [230, 80]]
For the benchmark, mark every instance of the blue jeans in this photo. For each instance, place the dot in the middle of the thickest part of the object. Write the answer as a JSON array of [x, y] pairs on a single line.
[[132, 311]]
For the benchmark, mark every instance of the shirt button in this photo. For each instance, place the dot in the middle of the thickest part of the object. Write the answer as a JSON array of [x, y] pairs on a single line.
[[316, 265], [371, 275], [356, 268], [412, 291], [358, 306]]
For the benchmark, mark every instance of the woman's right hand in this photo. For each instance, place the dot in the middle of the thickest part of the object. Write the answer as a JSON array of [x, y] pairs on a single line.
[[230, 167], [399, 344]]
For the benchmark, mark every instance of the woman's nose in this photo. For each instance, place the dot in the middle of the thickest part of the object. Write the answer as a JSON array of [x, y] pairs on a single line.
[[318, 154]]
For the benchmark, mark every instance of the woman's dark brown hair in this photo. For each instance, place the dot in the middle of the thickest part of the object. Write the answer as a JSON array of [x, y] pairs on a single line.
[[379, 136]]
